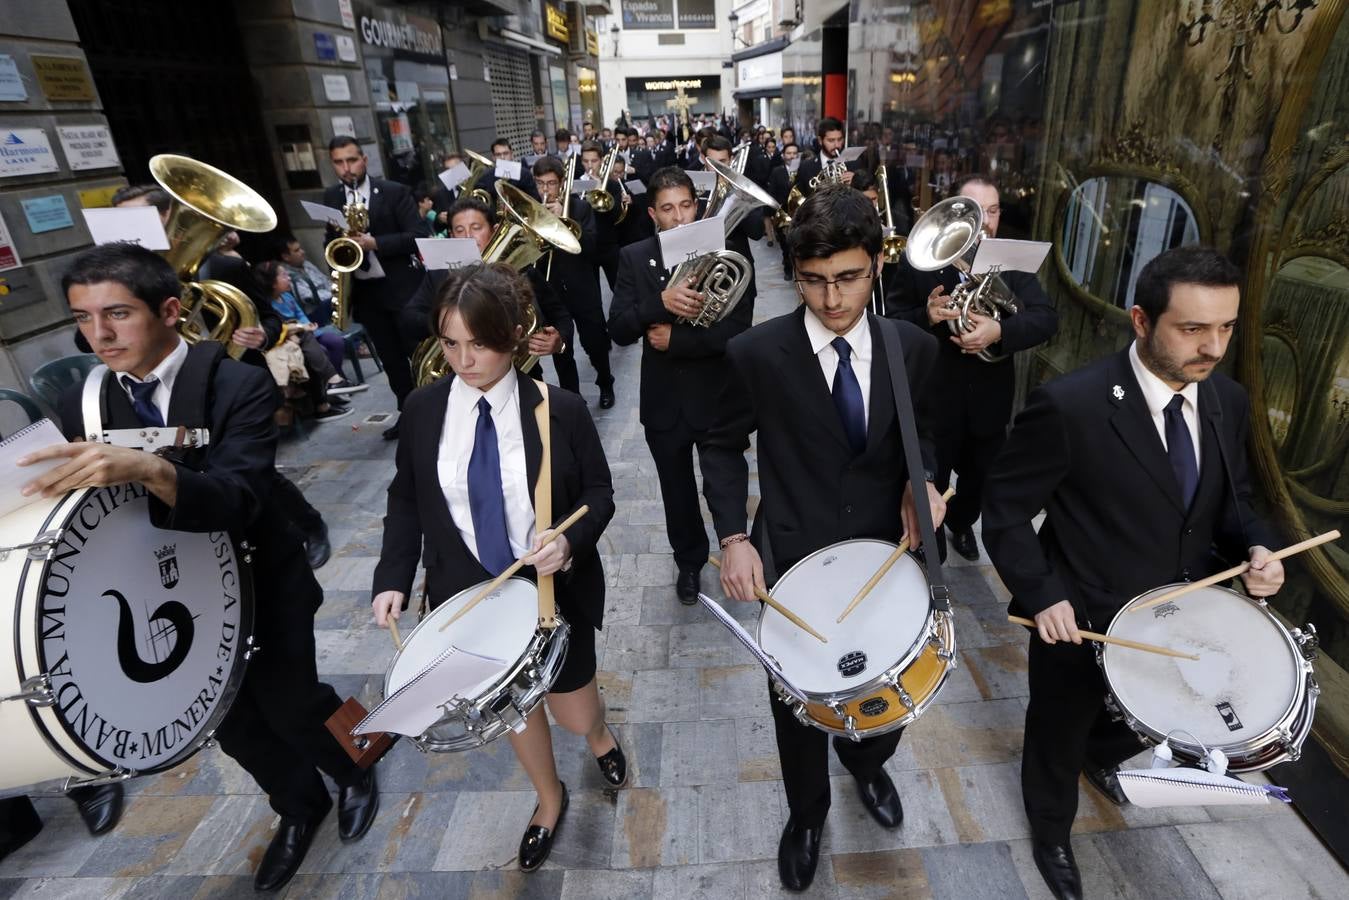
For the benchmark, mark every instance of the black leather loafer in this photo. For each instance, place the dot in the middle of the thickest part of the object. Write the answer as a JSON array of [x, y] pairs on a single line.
[[798, 855], [614, 765], [964, 543], [100, 807], [538, 841], [1058, 869], [391, 433], [285, 853], [1105, 781], [356, 807], [687, 585], [607, 396], [882, 800], [317, 547]]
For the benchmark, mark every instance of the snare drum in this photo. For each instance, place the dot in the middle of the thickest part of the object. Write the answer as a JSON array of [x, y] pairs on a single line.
[[883, 665], [1251, 693], [505, 625], [129, 643]]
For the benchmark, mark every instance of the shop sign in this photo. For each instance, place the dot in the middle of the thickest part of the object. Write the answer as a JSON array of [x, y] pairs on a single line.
[[344, 125], [26, 151], [325, 48], [88, 147], [696, 14], [336, 88], [99, 197], [760, 72], [11, 82], [64, 78], [346, 48], [408, 36], [673, 84], [648, 14], [555, 23], [344, 10], [9, 257], [592, 42], [47, 213]]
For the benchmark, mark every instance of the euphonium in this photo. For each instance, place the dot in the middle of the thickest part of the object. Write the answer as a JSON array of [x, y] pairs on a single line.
[[344, 256], [481, 164], [722, 275], [599, 198], [892, 245], [206, 203], [948, 234]]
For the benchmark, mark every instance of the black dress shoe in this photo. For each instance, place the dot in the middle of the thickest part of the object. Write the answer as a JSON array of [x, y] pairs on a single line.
[[964, 543], [607, 396], [538, 841], [1107, 782], [19, 823], [1058, 869], [100, 807], [356, 807], [687, 585], [614, 765], [798, 855], [316, 546], [882, 800], [286, 851], [391, 433]]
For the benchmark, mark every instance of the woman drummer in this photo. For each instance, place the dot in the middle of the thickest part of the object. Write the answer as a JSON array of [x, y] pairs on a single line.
[[469, 457]]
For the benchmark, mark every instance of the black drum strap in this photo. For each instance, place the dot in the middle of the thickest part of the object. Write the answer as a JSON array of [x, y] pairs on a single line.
[[193, 407]]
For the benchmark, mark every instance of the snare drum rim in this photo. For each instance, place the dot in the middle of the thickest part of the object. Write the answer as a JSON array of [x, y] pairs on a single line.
[[878, 681], [1286, 724]]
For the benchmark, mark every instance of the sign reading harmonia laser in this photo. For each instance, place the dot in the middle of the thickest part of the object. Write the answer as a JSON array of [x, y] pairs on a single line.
[[26, 151]]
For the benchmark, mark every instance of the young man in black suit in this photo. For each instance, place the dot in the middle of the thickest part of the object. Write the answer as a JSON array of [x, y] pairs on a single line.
[[1139, 460], [972, 399], [606, 227], [780, 183], [829, 131], [125, 301], [683, 369], [390, 238], [575, 278], [814, 384]]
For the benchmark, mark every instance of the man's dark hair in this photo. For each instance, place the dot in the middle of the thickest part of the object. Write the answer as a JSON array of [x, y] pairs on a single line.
[[154, 195], [834, 219], [144, 273], [667, 178], [343, 140], [864, 180], [549, 165], [465, 204], [975, 178], [826, 125], [534, 134], [783, 148], [501, 142], [491, 297], [594, 146], [716, 142], [1193, 264], [562, 134]]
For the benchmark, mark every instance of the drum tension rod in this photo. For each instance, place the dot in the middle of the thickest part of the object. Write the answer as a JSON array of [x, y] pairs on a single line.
[[39, 549], [37, 691]]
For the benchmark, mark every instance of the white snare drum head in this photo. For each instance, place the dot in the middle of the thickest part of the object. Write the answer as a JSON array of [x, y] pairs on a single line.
[[877, 634], [1245, 682], [501, 626]]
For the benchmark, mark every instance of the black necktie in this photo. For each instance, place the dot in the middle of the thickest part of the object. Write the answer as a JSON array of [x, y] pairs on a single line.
[[1180, 447], [142, 401], [848, 397]]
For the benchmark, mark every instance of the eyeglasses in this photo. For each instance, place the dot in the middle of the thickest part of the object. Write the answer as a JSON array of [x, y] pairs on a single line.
[[848, 285]]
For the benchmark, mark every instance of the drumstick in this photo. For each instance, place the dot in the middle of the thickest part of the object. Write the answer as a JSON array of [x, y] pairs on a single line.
[[1122, 642], [786, 613], [885, 567], [1233, 572], [393, 632], [515, 567]]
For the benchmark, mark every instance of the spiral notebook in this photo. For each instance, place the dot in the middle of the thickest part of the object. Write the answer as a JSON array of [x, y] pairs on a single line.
[[1194, 787], [744, 637], [417, 705], [13, 476]]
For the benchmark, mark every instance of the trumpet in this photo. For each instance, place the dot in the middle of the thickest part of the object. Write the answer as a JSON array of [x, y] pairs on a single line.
[[599, 198], [892, 245], [344, 256]]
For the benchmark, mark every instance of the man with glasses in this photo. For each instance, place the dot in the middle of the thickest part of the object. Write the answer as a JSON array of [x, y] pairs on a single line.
[[972, 398], [814, 384]]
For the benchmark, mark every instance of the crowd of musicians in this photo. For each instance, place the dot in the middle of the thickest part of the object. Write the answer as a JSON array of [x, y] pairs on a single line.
[[824, 391]]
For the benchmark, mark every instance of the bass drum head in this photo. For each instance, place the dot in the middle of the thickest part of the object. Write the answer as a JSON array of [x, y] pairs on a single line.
[[501, 626], [1247, 680], [142, 631], [881, 633]]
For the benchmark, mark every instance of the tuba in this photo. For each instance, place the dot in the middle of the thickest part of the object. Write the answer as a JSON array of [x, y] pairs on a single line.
[[481, 164], [892, 245], [599, 198], [948, 234], [344, 256], [527, 231], [722, 275], [206, 203]]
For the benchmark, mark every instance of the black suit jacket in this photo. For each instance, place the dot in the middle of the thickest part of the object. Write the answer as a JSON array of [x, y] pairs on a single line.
[[780, 184], [1086, 451], [574, 275], [418, 521], [395, 226], [814, 490], [682, 380], [988, 388]]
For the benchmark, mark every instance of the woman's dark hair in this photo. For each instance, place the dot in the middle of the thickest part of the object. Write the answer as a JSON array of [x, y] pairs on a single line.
[[144, 273], [669, 177], [491, 297], [266, 273], [1183, 265], [834, 219], [420, 194]]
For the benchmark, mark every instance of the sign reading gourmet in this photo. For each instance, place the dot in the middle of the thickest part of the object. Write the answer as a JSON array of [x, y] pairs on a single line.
[[648, 14], [408, 36]]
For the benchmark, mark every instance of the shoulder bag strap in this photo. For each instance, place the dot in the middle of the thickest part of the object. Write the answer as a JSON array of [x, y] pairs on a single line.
[[543, 505]]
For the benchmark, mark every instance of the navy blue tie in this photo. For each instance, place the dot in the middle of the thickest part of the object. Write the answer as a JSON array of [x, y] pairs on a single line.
[[143, 401], [1180, 447], [848, 397], [486, 499]]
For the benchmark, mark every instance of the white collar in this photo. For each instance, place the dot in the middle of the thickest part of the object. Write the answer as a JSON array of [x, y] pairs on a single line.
[[858, 337], [166, 371], [1157, 393], [498, 395]]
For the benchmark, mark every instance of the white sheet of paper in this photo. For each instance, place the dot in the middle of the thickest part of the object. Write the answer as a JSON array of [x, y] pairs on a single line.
[[694, 239], [703, 181], [740, 634], [581, 185], [508, 169], [1189, 787], [27, 440], [373, 271], [1016, 256], [454, 176], [635, 186], [793, 165], [416, 705], [325, 214], [133, 224], [848, 154], [448, 253]]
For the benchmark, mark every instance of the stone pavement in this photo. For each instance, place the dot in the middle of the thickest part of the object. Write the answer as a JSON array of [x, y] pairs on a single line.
[[703, 812]]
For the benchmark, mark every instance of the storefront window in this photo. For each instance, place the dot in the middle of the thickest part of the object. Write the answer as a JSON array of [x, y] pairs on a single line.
[[589, 86], [561, 105], [647, 97]]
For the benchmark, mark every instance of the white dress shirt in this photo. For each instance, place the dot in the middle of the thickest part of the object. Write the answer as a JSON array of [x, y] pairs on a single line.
[[859, 339], [1157, 394], [361, 190], [165, 373], [456, 448]]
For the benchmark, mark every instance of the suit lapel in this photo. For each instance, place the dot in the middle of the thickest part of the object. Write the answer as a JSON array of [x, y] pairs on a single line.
[[427, 450], [807, 380], [1133, 423]]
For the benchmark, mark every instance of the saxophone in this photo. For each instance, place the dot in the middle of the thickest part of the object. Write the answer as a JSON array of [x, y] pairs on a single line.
[[344, 256]]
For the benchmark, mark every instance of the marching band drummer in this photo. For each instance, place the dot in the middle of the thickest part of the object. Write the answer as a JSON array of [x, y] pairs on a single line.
[[466, 457], [814, 384], [1170, 437]]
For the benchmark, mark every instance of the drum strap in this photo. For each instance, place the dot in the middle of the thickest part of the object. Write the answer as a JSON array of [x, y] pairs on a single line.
[[913, 459], [543, 505]]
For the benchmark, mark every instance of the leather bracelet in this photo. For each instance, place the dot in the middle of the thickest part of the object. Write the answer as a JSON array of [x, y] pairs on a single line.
[[733, 539]]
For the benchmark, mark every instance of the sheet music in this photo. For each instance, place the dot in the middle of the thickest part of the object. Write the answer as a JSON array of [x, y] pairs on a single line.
[[13, 476], [416, 706], [448, 253], [635, 186], [692, 240], [1007, 254], [133, 224], [325, 214], [743, 636], [1193, 787], [454, 176], [508, 169]]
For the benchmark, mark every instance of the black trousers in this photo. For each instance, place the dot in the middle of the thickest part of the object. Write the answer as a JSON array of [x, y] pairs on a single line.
[[803, 753], [19, 823], [588, 314], [672, 449], [275, 728], [970, 456], [382, 324], [306, 519], [608, 263], [318, 365], [1067, 727]]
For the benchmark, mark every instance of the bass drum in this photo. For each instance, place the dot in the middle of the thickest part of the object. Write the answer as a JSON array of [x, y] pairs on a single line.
[[130, 641]]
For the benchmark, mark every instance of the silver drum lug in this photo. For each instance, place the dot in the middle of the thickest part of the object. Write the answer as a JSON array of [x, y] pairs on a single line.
[[35, 691]]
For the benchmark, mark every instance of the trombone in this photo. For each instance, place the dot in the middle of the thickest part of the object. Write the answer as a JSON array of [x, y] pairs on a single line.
[[892, 245], [572, 224], [599, 198]]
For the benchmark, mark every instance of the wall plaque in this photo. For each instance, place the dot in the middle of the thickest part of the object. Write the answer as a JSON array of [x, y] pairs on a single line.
[[64, 78]]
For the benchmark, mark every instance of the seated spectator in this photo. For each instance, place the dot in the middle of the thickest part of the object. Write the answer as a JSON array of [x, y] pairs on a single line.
[[311, 285]]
